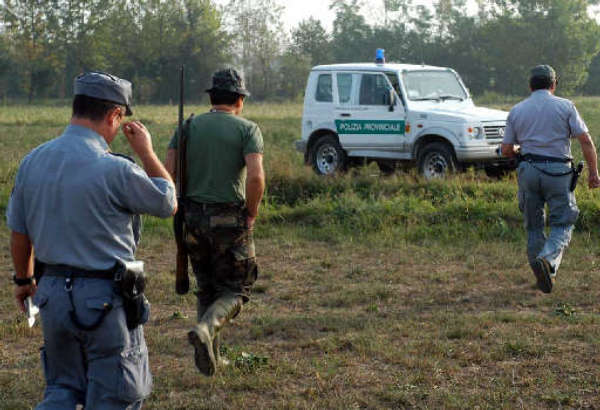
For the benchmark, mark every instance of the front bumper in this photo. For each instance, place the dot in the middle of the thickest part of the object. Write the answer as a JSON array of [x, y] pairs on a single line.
[[301, 145], [478, 153]]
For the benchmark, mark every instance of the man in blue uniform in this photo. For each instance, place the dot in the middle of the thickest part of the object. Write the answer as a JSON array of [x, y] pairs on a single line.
[[543, 125], [76, 206]]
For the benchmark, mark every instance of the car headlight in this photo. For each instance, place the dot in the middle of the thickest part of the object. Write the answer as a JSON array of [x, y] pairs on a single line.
[[474, 132]]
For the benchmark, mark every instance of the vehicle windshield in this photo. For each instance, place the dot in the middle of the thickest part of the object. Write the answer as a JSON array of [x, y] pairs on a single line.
[[433, 85]]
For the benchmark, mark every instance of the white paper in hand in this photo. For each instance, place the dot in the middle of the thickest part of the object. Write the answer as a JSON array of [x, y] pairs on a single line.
[[31, 311]]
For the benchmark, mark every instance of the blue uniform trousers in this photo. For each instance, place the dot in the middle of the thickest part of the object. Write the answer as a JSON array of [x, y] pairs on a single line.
[[106, 368], [537, 189]]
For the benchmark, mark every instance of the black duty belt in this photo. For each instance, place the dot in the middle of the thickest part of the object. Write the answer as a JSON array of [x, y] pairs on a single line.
[[74, 272], [544, 158]]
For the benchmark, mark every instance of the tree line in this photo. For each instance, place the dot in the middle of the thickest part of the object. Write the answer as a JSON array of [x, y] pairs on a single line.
[[44, 44]]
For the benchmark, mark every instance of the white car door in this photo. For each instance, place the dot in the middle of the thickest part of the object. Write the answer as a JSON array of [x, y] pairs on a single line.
[[363, 117]]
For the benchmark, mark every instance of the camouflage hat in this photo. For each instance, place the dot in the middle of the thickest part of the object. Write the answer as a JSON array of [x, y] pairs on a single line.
[[104, 86], [543, 71], [228, 80]]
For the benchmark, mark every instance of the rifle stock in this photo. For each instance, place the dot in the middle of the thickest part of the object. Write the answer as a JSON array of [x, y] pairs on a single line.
[[182, 280]]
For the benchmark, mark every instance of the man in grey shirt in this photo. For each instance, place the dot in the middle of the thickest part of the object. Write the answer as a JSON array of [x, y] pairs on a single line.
[[76, 205], [543, 126]]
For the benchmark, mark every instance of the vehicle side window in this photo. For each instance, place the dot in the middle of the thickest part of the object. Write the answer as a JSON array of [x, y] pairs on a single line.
[[324, 88], [395, 83], [374, 90], [344, 84]]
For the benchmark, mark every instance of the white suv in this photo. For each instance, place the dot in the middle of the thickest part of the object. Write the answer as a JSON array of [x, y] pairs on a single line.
[[396, 115]]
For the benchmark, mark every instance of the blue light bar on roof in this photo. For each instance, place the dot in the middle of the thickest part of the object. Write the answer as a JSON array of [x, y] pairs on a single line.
[[380, 56]]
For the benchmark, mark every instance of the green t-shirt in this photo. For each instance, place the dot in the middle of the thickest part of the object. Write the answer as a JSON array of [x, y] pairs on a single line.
[[216, 146]]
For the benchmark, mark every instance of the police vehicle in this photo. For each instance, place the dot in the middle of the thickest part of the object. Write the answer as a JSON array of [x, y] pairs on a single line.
[[397, 115]]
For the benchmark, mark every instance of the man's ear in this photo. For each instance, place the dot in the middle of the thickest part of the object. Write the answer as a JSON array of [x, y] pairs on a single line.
[[113, 115], [239, 103]]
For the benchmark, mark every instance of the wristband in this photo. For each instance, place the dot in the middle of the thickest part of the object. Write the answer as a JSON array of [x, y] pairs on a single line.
[[22, 281]]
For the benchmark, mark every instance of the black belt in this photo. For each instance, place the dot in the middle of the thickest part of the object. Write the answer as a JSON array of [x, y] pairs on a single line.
[[543, 158], [74, 272]]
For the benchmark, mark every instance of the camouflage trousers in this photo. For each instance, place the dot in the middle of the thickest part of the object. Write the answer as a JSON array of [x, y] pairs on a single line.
[[221, 249]]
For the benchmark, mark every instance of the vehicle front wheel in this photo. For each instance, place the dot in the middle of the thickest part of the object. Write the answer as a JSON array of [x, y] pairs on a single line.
[[436, 161], [328, 157]]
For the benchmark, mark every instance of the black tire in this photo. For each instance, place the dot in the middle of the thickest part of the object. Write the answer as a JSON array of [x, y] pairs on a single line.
[[436, 160], [327, 156]]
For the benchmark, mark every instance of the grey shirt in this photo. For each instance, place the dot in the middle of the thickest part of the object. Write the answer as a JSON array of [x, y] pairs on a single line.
[[76, 202], [544, 124]]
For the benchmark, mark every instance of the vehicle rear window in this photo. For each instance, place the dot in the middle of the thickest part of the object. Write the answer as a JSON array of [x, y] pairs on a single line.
[[324, 88], [344, 85]]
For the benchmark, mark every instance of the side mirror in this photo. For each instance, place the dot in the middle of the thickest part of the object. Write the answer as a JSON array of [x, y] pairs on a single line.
[[392, 100]]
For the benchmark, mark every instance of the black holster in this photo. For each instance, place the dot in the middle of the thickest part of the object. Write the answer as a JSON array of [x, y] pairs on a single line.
[[576, 173], [131, 282]]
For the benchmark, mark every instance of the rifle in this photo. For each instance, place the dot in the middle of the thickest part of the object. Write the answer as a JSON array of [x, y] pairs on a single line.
[[182, 280]]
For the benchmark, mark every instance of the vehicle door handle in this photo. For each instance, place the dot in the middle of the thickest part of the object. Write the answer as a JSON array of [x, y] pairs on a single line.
[[345, 114]]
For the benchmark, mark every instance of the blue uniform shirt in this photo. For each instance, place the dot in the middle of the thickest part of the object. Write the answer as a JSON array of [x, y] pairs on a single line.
[[76, 202], [544, 124]]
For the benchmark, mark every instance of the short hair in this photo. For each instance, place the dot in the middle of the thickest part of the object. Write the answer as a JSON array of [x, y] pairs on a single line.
[[92, 108], [540, 83], [222, 97]]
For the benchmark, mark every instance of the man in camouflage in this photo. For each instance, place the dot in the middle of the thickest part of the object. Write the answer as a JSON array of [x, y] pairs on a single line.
[[225, 184]]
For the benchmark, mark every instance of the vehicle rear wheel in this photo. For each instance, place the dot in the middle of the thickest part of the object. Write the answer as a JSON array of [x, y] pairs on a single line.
[[436, 161], [327, 156]]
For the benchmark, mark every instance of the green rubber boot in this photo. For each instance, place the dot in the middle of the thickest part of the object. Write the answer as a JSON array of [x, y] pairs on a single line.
[[203, 336]]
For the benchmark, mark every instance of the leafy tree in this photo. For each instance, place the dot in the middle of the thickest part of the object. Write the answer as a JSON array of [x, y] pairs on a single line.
[[293, 71], [309, 38], [592, 85], [555, 32], [259, 37], [352, 36]]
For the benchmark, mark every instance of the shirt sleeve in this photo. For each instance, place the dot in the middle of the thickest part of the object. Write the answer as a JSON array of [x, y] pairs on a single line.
[[509, 133], [140, 194], [15, 211], [254, 143], [576, 123]]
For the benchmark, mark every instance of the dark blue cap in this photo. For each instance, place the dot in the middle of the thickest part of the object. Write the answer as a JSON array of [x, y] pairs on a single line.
[[104, 86]]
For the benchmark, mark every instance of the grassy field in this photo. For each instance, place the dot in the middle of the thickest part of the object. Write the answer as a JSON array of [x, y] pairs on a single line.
[[374, 292]]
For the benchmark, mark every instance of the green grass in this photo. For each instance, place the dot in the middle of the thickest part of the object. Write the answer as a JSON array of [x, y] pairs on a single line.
[[374, 292]]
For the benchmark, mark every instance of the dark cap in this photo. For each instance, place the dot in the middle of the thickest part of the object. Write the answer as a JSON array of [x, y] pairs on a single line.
[[104, 86], [228, 80], [543, 71]]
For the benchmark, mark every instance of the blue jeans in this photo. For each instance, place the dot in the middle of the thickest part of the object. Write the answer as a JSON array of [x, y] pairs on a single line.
[[104, 368], [537, 189]]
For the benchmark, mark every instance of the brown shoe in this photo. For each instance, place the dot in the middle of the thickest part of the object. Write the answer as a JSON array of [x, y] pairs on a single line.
[[542, 270]]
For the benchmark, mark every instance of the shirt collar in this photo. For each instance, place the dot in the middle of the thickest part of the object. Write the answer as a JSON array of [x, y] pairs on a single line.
[[541, 93], [86, 136]]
